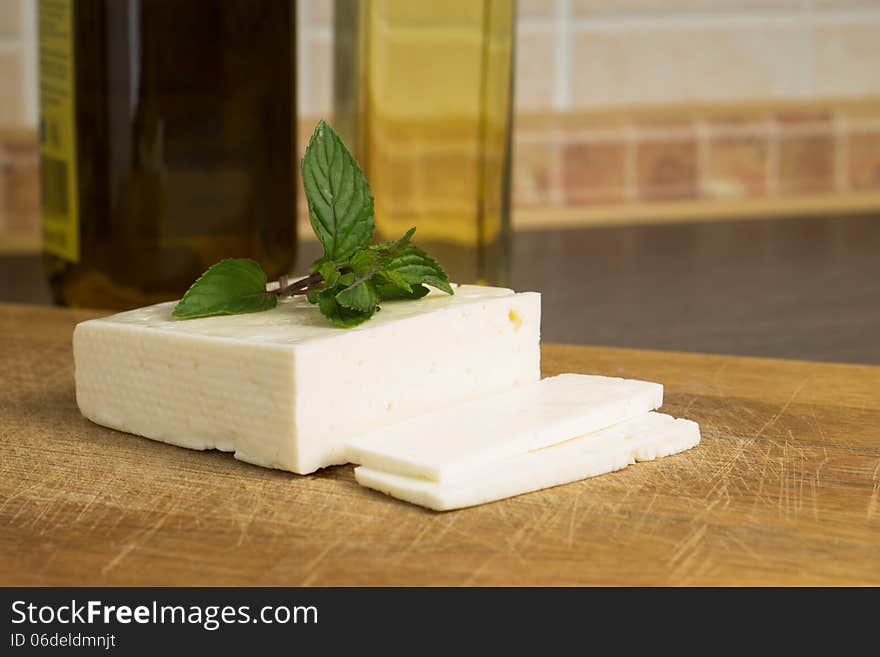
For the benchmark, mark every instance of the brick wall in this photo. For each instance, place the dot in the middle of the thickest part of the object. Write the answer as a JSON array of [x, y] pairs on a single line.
[[19, 206], [18, 96], [627, 109], [577, 54], [624, 107], [723, 158]]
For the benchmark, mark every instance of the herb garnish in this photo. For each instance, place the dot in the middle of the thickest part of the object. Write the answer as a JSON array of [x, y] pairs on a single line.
[[352, 277]]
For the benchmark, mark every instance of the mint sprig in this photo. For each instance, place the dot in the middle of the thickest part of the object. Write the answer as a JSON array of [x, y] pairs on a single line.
[[339, 198], [350, 280], [230, 287]]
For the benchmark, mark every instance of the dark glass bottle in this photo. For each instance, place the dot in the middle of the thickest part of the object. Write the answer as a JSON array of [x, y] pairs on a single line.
[[167, 143]]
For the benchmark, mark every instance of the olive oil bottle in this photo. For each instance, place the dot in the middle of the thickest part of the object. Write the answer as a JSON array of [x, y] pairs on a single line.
[[167, 143], [423, 91]]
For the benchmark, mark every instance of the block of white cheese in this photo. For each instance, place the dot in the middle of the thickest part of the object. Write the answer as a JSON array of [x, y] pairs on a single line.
[[453, 442], [285, 389], [650, 436]]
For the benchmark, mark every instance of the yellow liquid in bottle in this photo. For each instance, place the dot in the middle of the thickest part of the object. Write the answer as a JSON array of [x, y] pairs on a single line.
[[432, 113]]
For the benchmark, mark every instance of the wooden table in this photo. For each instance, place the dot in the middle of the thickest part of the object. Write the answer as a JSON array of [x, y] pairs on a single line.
[[784, 489]]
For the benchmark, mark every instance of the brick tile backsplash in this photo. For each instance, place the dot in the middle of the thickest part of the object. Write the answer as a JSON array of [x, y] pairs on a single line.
[[12, 109], [806, 164], [619, 103], [844, 56], [594, 171], [581, 54], [736, 166], [322, 70], [723, 155], [534, 174], [321, 12], [19, 183], [10, 16], [864, 160], [686, 63], [719, 154], [22, 198], [534, 64], [535, 9], [588, 160], [666, 169], [617, 7]]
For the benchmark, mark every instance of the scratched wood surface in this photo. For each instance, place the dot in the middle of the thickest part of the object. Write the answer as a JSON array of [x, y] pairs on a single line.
[[784, 489]]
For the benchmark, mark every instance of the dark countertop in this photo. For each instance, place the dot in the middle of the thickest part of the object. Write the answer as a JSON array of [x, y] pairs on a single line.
[[804, 288]]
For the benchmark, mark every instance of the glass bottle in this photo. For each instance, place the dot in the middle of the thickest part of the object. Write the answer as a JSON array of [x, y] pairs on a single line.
[[423, 93], [167, 143]]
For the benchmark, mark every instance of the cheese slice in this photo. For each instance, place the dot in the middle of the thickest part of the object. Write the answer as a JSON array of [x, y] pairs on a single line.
[[284, 388], [650, 436], [454, 442]]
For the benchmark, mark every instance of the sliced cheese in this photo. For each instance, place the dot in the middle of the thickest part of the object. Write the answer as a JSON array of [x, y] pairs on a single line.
[[645, 438], [454, 442], [284, 388]]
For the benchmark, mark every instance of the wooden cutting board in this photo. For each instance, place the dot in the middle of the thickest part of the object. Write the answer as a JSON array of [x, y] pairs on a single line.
[[784, 489]]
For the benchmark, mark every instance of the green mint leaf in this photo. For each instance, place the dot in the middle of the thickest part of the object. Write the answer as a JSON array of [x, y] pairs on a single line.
[[327, 302], [320, 262], [397, 280], [412, 265], [339, 198], [395, 245], [230, 287], [329, 272], [360, 296], [340, 315], [390, 292], [366, 262]]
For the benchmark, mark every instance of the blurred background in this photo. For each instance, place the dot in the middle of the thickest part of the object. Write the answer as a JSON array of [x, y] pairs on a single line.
[[695, 175]]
